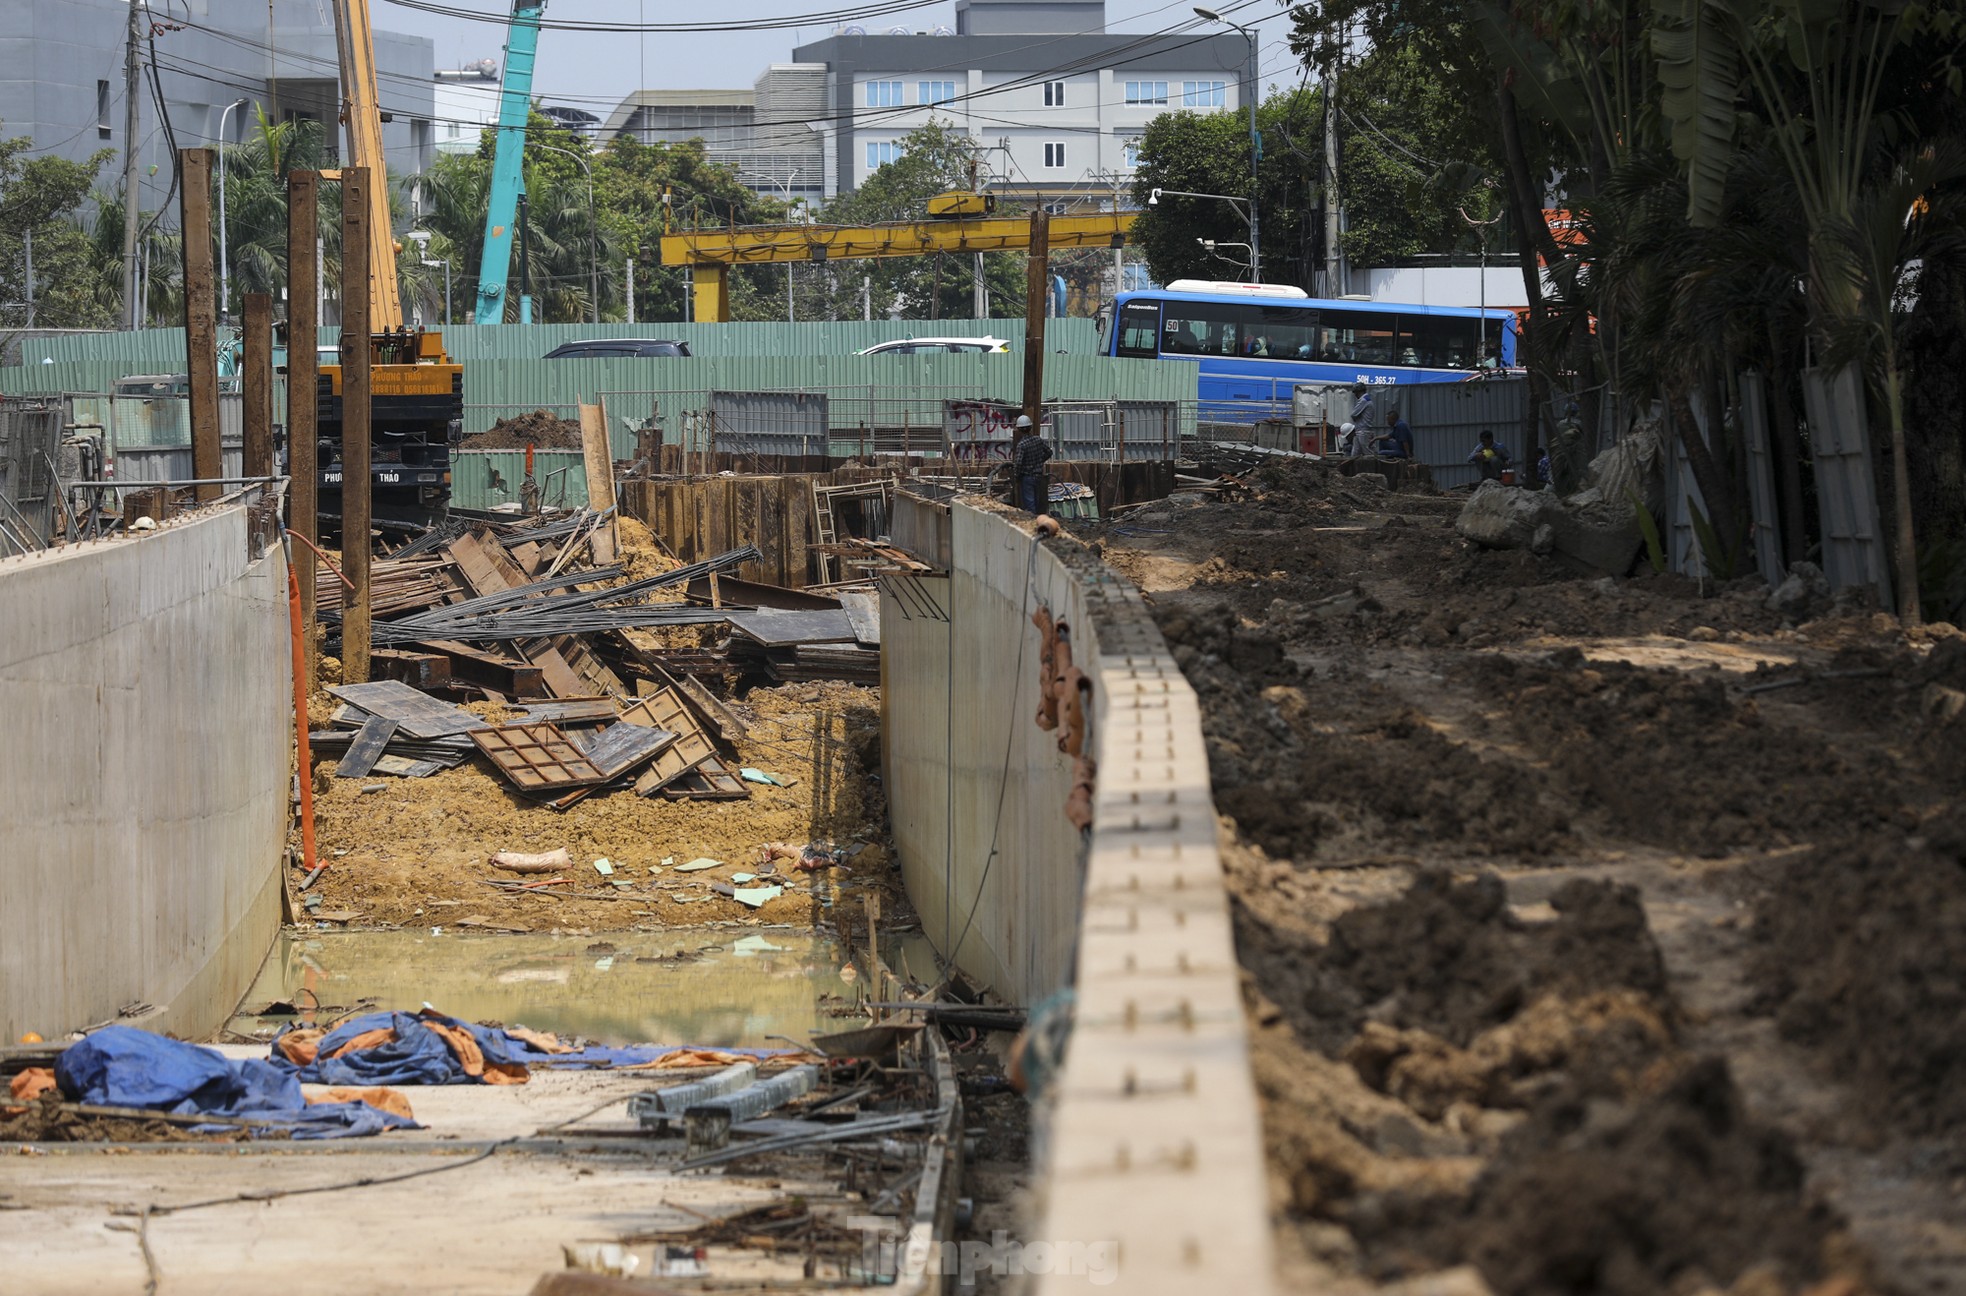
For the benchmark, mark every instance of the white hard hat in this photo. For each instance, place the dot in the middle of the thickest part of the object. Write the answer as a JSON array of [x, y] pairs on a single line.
[[1023, 420]]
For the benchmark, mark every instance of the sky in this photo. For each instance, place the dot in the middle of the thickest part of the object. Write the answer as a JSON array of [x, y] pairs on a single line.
[[597, 70]]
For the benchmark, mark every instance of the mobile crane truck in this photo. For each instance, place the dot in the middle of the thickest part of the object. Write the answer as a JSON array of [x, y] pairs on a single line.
[[416, 391]]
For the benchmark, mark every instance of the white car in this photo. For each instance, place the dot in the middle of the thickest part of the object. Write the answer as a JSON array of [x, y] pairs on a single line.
[[940, 346]]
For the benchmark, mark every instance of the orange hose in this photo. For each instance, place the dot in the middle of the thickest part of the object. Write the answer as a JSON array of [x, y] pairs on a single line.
[[305, 766]]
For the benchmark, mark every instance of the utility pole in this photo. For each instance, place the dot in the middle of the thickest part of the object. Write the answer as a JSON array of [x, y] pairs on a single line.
[[1332, 266], [303, 382], [27, 253], [355, 423], [525, 267], [200, 322], [132, 272], [1036, 274], [257, 385], [630, 267], [1255, 137]]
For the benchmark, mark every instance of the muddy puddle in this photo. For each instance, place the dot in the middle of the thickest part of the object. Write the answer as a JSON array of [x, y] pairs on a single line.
[[706, 986]]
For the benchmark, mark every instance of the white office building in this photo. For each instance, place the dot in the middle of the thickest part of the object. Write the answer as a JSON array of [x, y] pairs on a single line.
[[1055, 104]]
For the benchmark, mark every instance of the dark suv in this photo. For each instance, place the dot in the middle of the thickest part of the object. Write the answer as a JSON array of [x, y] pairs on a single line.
[[618, 348]]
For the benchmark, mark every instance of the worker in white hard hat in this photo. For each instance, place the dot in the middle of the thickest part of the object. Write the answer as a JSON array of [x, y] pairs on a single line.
[[1028, 454]]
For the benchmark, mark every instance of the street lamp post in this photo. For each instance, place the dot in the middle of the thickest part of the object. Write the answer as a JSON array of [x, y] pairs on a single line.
[[446, 263], [224, 259], [593, 230], [422, 240], [1255, 140], [1243, 209]]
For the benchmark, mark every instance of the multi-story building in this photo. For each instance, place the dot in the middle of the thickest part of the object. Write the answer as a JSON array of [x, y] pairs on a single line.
[[62, 79], [1055, 103], [465, 103], [764, 132]]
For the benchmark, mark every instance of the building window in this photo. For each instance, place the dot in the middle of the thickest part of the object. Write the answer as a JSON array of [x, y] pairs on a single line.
[[935, 92], [884, 94], [1146, 92], [1054, 94], [882, 152], [1204, 94], [1130, 151], [102, 110], [1054, 157]]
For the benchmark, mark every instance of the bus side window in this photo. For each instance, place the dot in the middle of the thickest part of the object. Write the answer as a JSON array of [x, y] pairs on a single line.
[[1139, 330]]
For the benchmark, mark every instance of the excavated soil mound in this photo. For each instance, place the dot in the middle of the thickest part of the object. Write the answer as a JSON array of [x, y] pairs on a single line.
[[1862, 958], [1700, 1029], [541, 429], [1452, 958], [1633, 1168], [1293, 775], [1734, 777], [1679, 1191]]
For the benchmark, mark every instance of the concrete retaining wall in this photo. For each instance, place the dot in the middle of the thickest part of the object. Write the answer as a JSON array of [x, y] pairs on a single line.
[[1154, 1159], [145, 699]]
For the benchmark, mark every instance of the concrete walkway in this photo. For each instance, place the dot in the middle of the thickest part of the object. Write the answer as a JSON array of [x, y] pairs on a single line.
[[69, 1213]]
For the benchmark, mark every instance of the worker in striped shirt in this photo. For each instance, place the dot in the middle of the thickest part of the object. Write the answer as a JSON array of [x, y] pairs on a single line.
[[1028, 456]]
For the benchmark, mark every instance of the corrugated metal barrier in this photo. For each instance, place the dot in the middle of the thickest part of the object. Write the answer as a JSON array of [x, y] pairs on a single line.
[[1448, 418], [483, 479], [118, 354]]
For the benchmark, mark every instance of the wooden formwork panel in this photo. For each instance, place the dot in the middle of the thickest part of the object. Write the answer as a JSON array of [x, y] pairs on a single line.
[[537, 757]]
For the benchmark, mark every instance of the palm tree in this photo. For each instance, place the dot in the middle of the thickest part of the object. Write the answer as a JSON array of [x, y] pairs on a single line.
[[1851, 179]]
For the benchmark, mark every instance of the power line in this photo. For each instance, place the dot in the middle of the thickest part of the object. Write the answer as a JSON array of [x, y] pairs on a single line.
[[502, 18]]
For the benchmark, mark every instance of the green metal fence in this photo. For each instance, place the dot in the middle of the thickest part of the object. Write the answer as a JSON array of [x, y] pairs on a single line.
[[162, 350]]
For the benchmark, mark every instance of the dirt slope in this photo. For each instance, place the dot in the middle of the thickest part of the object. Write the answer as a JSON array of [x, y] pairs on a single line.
[[1599, 935]]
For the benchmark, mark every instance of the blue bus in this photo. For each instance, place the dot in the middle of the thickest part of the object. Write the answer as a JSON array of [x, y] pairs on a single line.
[[1254, 342]]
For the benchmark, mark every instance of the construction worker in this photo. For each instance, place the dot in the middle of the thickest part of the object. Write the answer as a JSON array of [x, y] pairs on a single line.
[[1028, 456], [1489, 458], [1396, 442]]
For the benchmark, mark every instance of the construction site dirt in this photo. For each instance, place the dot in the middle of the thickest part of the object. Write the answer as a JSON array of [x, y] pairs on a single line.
[[417, 851], [1597, 934]]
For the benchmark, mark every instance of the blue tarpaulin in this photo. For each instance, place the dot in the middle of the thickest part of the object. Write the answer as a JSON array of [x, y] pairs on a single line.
[[401, 1050], [121, 1066]]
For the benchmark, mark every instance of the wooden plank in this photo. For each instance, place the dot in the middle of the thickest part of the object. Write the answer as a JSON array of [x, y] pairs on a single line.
[[420, 715], [599, 461], [536, 757], [363, 753], [711, 781], [512, 676], [417, 669], [664, 709], [200, 316], [485, 569]]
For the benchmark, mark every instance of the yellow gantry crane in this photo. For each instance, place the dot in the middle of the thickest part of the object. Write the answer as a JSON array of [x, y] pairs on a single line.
[[711, 252]]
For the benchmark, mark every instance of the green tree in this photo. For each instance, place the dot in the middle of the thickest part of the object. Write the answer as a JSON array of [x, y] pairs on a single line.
[[40, 198], [644, 189], [1209, 153], [935, 158], [1414, 171]]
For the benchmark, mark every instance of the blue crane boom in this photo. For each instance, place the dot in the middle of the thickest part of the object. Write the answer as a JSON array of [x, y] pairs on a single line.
[[508, 164]]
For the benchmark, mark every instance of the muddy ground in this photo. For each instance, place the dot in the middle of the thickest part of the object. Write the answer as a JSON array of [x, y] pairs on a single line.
[[1598, 935], [415, 851]]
